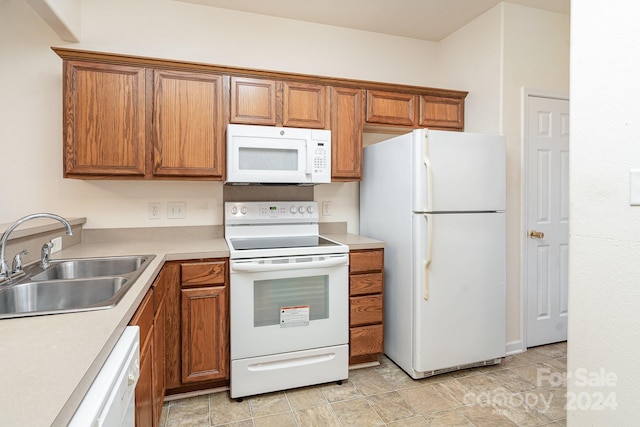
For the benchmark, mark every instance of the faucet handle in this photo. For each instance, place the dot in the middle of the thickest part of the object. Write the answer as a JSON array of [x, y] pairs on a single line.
[[46, 252], [16, 266]]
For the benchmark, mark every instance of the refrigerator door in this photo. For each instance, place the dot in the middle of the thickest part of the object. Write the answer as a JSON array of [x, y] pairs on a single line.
[[458, 171], [459, 290]]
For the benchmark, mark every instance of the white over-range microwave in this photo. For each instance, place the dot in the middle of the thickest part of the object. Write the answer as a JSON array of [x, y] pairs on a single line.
[[277, 155]]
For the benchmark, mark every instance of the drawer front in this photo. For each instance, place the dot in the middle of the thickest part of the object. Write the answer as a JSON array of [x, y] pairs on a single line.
[[366, 340], [361, 284], [364, 261], [203, 273], [365, 310]]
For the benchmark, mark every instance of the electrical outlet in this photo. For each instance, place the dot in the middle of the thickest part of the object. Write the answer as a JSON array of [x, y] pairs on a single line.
[[57, 244], [176, 210], [154, 210], [326, 208]]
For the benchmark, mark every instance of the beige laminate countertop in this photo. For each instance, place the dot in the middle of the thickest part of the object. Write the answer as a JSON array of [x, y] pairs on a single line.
[[355, 241], [48, 363]]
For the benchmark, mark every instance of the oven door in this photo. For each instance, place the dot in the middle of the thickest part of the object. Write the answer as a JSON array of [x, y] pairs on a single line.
[[288, 304]]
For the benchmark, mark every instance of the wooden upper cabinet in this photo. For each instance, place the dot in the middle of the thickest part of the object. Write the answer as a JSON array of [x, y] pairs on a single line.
[[253, 101], [104, 119], [304, 105], [278, 103], [392, 108], [347, 119], [188, 124], [441, 112]]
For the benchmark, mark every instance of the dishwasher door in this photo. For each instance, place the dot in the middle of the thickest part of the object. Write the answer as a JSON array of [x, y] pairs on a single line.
[[110, 400]]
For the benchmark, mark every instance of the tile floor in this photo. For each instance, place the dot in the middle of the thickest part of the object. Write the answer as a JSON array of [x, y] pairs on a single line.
[[524, 390]]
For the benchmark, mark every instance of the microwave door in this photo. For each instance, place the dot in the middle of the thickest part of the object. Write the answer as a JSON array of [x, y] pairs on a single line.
[[270, 160]]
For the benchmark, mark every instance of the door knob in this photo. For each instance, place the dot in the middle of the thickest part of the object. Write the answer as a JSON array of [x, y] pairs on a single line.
[[536, 234]]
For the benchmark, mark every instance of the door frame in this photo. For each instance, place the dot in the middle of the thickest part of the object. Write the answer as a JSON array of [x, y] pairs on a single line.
[[524, 205]]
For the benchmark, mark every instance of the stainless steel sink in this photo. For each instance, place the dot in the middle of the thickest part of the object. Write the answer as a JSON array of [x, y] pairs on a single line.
[[61, 296], [71, 285], [91, 267]]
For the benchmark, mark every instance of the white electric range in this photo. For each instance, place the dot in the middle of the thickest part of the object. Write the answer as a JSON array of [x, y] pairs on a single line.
[[289, 298]]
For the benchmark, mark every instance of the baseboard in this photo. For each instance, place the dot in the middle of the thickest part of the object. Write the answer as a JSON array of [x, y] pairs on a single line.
[[515, 347]]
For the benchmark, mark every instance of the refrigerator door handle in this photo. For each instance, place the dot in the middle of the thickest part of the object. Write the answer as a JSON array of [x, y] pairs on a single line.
[[427, 164], [427, 262]]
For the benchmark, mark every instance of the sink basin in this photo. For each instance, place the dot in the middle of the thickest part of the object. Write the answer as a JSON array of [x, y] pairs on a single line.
[[91, 267], [62, 296], [71, 285]]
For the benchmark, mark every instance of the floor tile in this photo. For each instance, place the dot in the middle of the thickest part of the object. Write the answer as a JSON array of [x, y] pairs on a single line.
[[308, 397], [269, 404], [391, 406], [320, 416], [285, 419], [225, 410], [357, 413]]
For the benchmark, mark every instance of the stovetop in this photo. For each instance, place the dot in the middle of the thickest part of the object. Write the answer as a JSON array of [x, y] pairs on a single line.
[[270, 229]]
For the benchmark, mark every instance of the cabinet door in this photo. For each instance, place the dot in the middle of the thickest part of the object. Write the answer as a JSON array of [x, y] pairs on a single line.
[[144, 388], [159, 384], [188, 124], [304, 105], [205, 334], [104, 120], [144, 399], [346, 134], [440, 112], [392, 108], [173, 327], [253, 101]]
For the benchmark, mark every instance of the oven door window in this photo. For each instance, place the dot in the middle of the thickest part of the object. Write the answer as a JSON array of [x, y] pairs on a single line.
[[271, 296]]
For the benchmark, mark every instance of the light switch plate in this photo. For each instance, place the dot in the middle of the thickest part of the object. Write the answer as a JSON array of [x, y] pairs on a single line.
[[634, 187]]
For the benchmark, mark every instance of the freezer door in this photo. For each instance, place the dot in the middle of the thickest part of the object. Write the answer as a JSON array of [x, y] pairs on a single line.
[[458, 171], [459, 289]]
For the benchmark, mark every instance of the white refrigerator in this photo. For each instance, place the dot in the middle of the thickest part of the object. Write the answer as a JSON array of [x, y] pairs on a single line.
[[437, 200]]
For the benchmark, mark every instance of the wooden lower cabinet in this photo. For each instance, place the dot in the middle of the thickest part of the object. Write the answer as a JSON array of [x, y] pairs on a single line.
[[151, 318], [366, 305], [204, 334], [197, 330]]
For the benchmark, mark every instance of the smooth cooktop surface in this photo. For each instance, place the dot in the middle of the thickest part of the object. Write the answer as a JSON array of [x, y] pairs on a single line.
[[252, 243]]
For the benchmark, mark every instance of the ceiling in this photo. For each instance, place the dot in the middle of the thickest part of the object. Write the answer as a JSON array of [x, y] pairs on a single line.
[[421, 19]]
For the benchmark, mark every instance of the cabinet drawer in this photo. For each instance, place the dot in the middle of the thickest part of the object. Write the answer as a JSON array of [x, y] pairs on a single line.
[[364, 261], [361, 284], [143, 317], [365, 310], [366, 340], [203, 273]]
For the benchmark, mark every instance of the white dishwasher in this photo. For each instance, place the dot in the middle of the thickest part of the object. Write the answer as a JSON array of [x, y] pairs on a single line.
[[110, 400]]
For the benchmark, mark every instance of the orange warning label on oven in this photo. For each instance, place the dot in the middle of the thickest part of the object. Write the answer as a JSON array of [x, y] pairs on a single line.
[[294, 316]]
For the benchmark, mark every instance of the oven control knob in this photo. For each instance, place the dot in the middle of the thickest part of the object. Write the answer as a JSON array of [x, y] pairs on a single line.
[[310, 209], [243, 210], [293, 209], [301, 209], [234, 210]]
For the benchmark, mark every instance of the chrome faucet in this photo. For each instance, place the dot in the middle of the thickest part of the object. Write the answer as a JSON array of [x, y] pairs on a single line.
[[5, 273]]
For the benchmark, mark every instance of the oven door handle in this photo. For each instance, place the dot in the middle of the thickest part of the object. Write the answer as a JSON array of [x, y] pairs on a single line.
[[251, 266]]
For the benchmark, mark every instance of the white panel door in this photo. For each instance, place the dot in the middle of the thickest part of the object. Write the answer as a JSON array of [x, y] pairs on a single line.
[[547, 213]]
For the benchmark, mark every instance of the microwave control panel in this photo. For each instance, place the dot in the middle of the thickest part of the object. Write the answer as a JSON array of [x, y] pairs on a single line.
[[320, 158]]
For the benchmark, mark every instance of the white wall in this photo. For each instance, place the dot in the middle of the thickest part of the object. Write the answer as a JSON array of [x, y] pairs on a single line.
[[604, 248], [494, 57], [31, 106]]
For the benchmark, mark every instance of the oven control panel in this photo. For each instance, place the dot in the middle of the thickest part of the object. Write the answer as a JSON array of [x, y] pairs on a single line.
[[266, 212]]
